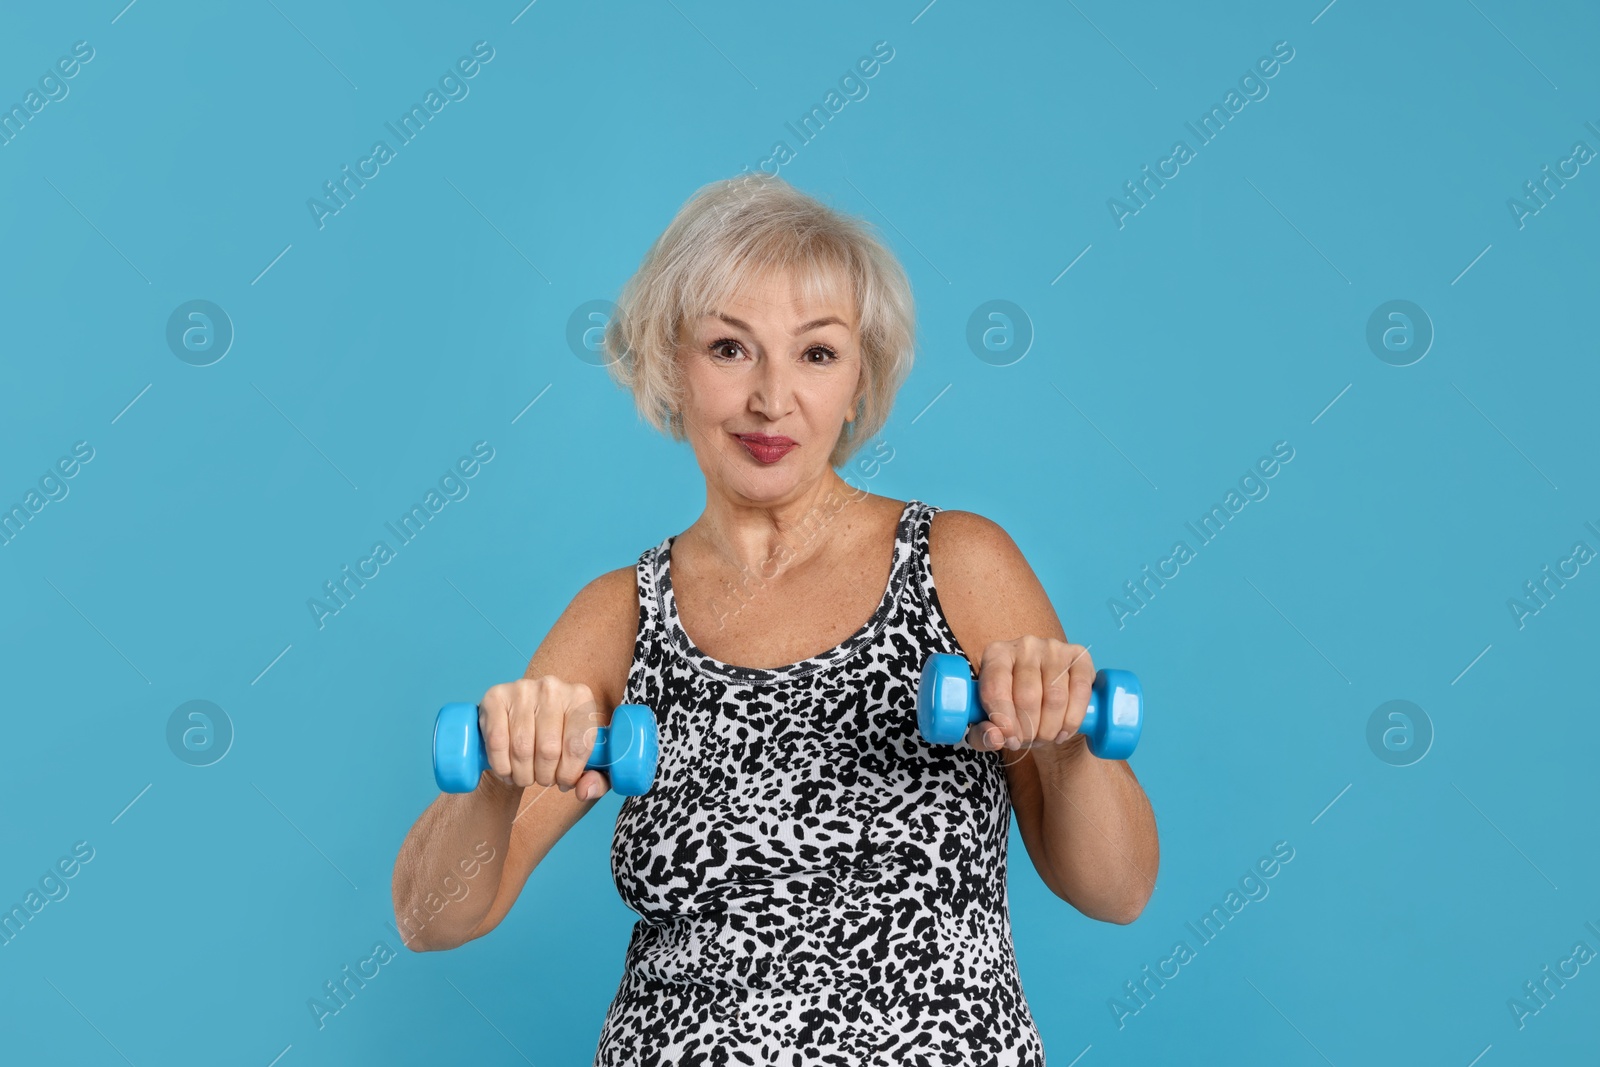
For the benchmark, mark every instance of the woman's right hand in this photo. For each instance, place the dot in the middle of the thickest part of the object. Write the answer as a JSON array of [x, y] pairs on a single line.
[[541, 731]]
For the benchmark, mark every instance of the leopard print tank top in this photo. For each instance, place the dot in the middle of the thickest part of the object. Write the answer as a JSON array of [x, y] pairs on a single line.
[[815, 884]]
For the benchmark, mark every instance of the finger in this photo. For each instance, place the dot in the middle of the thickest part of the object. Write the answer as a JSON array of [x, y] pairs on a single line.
[[523, 725], [548, 732], [994, 686], [1055, 710], [986, 737], [1080, 684], [577, 735], [592, 785], [1027, 690], [494, 728]]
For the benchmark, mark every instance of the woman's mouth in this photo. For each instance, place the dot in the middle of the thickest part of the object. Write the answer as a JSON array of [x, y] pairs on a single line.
[[764, 448]]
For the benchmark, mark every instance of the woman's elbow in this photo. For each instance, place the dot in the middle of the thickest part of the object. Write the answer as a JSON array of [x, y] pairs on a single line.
[[431, 937], [1137, 889], [1121, 906], [1121, 912], [419, 945], [1127, 911], [426, 921]]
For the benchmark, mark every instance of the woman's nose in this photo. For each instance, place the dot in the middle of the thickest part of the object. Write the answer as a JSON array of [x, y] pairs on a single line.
[[772, 387]]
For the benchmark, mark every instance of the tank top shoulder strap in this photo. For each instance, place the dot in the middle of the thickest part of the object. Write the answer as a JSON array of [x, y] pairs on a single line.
[[648, 637], [921, 523], [644, 579], [920, 584]]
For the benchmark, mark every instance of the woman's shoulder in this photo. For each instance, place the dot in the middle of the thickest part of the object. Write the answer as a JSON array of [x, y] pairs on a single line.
[[958, 535], [986, 587], [593, 640], [615, 596], [971, 548], [616, 585]]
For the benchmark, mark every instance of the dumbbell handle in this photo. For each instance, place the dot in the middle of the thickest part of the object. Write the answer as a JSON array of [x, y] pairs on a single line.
[[598, 759], [1115, 709], [626, 750], [1091, 717], [948, 703]]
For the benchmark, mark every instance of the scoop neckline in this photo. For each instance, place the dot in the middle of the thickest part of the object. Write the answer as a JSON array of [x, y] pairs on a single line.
[[709, 664]]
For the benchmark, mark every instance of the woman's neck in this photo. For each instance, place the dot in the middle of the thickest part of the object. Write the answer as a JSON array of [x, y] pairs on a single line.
[[737, 536]]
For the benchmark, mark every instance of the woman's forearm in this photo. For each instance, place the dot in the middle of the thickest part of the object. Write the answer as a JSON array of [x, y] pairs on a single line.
[[449, 867], [1099, 832]]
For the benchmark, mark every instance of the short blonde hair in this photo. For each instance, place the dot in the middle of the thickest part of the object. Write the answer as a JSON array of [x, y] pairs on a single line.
[[731, 232]]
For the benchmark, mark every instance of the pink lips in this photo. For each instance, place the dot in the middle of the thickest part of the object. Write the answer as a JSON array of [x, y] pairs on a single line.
[[764, 448]]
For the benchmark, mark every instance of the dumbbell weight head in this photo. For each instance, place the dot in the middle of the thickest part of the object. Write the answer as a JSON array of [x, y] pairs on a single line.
[[459, 758], [1117, 704], [631, 750], [947, 699]]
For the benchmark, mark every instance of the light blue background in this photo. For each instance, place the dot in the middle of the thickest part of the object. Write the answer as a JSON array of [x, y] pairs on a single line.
[[426, 315]]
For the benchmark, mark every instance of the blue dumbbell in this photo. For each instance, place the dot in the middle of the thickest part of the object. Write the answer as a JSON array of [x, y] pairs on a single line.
[[947, 703], [626, 750]]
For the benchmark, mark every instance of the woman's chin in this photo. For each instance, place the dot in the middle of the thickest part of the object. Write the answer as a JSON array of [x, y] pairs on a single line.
[[766, 483]]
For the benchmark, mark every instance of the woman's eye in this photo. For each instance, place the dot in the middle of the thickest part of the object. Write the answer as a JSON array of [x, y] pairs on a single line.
[[729, 349]]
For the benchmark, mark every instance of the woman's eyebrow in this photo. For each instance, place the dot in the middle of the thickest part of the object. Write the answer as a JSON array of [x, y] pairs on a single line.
[[804, 327]]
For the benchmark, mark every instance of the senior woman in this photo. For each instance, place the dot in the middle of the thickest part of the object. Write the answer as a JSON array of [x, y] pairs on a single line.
[[815, 883]]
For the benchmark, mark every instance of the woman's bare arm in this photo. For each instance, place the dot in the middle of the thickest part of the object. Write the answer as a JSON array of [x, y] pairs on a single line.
[[1086, 822], [467, 857]]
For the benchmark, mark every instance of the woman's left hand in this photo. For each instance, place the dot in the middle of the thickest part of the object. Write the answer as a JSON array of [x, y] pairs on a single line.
[[1034, 692]]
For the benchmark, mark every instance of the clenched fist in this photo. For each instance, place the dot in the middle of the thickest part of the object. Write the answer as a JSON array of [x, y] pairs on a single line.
[[541, 731]]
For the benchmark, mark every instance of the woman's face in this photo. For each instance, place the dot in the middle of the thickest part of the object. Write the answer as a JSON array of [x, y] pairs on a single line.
[[770, 382]]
